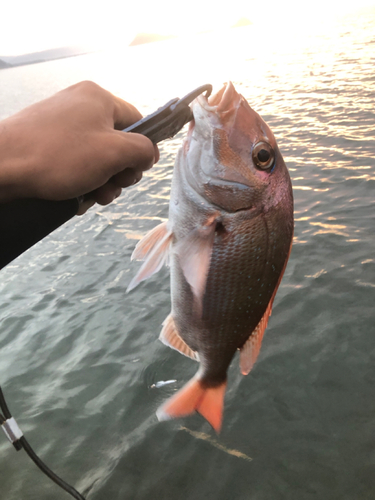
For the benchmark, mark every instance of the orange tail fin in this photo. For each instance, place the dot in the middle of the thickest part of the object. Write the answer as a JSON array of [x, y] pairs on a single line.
[[192, 397]]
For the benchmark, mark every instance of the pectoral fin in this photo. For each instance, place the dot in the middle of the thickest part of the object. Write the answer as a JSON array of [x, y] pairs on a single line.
[[154, 250], [170, 337], [148, 243], [194, 253]]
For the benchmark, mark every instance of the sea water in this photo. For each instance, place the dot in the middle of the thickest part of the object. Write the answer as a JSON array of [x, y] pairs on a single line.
[[80, 362]]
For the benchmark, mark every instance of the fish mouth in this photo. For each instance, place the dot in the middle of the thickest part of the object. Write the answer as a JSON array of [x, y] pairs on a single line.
[[217, 111], [222, 101]]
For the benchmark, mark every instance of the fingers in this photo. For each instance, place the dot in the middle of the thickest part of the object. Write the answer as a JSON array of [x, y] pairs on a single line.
[[124, 114], [82, 128], [128, 156], [106, 194], [129, 151], [156, 153], [127, 178], [111, 190], [85, 206], [125, 150]]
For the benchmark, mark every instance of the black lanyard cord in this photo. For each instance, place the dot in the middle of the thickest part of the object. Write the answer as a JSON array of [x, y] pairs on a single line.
[[16, 437]]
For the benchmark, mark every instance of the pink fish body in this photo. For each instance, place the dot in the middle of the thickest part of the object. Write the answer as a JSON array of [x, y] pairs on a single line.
[[227, 241]]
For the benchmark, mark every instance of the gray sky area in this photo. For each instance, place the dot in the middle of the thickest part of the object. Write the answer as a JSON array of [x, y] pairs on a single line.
[[41, 24]]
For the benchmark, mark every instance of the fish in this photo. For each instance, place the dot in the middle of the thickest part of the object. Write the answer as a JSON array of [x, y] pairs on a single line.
[[227, 241]]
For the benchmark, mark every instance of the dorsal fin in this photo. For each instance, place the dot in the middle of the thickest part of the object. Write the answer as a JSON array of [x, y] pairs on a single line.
[[154, 250], [170, 337]]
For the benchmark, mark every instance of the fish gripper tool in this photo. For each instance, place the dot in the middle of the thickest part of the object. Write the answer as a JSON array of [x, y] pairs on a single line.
[[165, 122]]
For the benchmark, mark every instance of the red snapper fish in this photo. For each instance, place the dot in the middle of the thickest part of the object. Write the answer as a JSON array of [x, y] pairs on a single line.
[[227, 241]]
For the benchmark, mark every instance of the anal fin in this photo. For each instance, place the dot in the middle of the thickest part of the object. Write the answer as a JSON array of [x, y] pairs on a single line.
[[170, 337]]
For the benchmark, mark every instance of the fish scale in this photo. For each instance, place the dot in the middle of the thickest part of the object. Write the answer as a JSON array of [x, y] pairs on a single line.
[[237, 285]]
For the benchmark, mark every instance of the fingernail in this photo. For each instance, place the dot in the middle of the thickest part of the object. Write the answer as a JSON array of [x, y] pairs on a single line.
[[117, 193], [157, 153], [137, 179]]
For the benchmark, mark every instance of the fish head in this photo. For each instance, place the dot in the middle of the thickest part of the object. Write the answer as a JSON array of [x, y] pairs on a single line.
[[231, 155]]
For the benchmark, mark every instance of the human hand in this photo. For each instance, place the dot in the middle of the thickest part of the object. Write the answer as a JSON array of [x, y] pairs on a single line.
[[70, 145]]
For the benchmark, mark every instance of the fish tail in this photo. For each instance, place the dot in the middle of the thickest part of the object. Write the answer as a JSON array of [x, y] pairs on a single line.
[[194, 396]]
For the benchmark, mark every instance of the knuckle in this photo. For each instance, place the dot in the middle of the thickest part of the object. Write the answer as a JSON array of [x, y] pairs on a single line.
[[87, 86]]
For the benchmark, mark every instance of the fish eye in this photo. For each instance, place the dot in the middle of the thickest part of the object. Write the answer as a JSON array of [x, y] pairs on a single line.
[[263, 156]]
